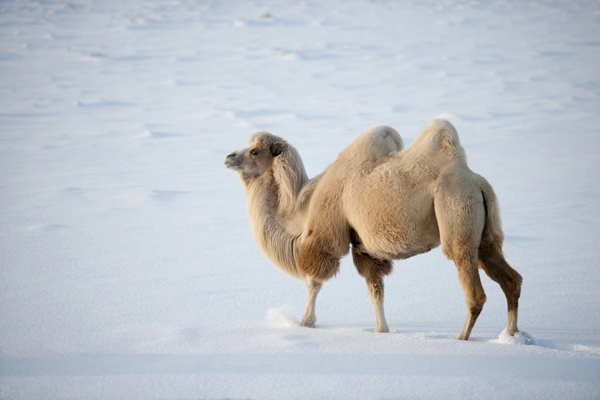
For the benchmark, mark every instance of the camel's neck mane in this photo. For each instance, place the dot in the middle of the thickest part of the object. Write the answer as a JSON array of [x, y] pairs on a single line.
[[274, 219]]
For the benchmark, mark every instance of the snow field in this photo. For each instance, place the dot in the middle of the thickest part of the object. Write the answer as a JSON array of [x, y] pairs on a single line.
[[127, 267]]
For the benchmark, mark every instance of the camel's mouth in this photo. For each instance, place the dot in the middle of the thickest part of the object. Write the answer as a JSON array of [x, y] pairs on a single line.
[[232, 164]]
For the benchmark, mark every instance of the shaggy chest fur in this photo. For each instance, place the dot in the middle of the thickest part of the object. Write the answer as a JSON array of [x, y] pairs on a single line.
[[277, 235]]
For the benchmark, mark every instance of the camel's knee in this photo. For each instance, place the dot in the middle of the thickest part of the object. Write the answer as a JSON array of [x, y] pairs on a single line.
[[475, 302], [373, 270], [517, 282], [313, 286], [475, 296], [492, 262], [376, 288]]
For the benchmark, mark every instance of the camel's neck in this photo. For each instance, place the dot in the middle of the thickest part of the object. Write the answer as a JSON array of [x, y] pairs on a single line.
[[277, 234]]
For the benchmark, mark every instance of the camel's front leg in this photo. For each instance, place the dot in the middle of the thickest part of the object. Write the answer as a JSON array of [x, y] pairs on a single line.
[[312, 288], [373, 270], [375, 286]]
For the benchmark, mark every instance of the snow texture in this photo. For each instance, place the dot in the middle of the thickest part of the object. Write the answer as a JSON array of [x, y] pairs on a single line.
[[282, 317], [521, 337], [127, 266]]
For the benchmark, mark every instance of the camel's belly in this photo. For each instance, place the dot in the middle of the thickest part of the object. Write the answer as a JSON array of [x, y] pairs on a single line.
[[399, 245], [393, 214], [415, 250], [399, 235]]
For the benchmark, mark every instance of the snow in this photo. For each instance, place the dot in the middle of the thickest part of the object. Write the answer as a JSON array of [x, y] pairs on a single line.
[[127, 266], [521, 337], [282, 317]]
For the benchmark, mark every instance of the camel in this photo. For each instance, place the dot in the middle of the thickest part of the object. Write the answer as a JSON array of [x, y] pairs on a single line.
[[384, 201]]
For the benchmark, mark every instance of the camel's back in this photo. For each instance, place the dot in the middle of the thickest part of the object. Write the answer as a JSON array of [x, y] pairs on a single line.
[[384, 195], [391, 207]]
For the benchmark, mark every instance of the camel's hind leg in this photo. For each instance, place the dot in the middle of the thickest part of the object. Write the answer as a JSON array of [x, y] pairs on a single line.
[[312, 288], [468, 276], [492, 261], [373, 270], [461, 219]]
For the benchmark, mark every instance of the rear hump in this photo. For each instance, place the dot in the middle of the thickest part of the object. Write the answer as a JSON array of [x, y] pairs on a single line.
[[439, 137]]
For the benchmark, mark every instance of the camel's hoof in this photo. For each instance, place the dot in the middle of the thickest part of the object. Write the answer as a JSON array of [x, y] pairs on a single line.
[[309, 323], [384, 329], [463, 337]]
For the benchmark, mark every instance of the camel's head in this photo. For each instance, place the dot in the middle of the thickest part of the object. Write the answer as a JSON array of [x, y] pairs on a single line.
[[258, 157]]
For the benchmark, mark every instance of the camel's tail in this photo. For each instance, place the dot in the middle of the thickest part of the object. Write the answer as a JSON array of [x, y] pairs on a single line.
[[492, 231]]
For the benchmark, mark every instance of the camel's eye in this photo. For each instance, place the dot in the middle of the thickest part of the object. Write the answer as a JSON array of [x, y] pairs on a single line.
[[254, 152]]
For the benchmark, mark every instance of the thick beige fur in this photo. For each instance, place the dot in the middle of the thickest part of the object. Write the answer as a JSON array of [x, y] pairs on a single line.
[[387, 202], [274, 178]]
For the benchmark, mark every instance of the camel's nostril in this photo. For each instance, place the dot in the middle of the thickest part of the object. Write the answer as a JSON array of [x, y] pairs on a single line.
[[231, 155]]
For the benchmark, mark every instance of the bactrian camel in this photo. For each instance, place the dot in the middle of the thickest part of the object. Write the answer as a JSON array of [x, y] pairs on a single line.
[[385, 201]]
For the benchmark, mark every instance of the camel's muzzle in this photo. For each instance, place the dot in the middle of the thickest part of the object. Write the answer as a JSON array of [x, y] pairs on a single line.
[[232, 162]]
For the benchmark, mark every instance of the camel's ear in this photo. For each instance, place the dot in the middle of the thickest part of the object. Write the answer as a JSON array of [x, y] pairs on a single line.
[[277, 148]]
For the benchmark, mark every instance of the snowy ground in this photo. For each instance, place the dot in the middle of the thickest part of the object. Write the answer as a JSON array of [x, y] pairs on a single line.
[[127, 266]]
